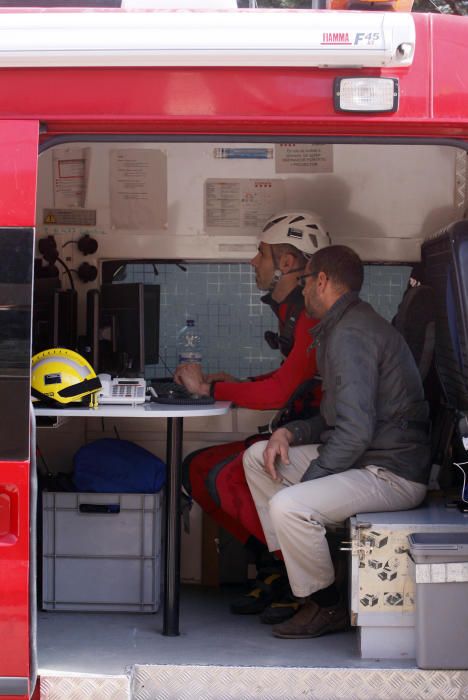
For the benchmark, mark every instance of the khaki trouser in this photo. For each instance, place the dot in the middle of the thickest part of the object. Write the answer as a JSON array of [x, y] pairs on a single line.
[[294, 519]]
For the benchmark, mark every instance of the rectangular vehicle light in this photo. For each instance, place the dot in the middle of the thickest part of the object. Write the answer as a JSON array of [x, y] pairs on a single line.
[[366, 94]]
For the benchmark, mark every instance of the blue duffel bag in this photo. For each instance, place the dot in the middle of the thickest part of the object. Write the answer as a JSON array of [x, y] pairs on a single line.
[[117, 466]]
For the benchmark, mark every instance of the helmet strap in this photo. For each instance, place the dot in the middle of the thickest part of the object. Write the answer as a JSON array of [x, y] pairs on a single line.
[[277, 273]]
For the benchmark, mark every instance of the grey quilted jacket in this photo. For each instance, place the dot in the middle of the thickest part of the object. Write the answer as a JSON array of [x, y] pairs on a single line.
[[373, 409]]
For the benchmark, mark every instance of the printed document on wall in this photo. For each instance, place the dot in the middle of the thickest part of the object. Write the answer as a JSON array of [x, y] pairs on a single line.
[[138, 189], [71, 170], [241, 206], [304, 158]]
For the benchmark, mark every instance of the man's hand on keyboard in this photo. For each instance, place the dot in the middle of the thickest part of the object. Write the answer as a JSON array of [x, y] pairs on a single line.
[[220, 377], [192, 378]]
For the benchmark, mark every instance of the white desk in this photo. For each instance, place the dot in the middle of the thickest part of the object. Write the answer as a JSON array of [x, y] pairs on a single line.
[[173, 479]]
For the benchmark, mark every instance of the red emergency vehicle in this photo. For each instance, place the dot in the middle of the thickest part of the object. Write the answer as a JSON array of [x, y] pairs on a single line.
[[351, 79]]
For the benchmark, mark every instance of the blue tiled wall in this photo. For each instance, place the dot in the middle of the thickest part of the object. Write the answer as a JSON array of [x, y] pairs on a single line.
[[225, 304]]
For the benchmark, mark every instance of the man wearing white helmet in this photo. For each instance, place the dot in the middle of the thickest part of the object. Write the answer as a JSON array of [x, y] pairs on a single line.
[[286, 242], [214, 476]]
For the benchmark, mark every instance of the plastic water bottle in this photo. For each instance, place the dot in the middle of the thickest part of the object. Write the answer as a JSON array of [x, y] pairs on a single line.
[[189, 344]]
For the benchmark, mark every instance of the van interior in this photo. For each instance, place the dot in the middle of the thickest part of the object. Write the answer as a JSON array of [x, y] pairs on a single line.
[[182, 216]]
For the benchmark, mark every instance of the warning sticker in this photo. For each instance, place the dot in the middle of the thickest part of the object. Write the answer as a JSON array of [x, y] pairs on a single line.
[[70, 217]]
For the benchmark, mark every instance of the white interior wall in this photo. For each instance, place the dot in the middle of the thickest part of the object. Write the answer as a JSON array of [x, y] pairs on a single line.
[[382, 199]]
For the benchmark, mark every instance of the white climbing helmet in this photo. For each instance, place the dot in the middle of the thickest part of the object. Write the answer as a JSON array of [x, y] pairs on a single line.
[[304, 230]]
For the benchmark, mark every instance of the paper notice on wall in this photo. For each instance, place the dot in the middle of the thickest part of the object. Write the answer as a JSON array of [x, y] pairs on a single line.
[[304, 158], [70, 177], [241, 206], [138, 189]]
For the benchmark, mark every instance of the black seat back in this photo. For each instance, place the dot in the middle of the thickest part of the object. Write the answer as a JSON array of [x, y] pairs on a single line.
[[416, 321], [445, 260]]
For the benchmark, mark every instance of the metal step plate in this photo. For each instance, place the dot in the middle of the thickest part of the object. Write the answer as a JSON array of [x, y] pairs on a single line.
[[241, 683], [84, 687]]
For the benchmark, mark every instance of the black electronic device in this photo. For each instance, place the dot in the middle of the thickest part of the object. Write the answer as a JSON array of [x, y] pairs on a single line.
[[91, 347], [54, 315], [169, 392], [123, 328], [151, 312]]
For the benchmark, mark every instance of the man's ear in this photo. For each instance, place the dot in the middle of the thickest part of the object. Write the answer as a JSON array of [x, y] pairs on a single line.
[[322, 280], [287, 262]]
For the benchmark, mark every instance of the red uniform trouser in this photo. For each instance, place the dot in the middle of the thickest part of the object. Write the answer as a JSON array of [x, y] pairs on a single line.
[[218, 485]]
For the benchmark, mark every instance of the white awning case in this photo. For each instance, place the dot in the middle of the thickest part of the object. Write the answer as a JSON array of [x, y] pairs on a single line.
[[198, 38]]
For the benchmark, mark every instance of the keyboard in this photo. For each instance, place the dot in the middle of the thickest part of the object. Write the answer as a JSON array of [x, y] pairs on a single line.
[[169, 392]]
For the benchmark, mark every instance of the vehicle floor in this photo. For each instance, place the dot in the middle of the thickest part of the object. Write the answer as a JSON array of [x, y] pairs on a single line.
[[218, 656], [111, 643]]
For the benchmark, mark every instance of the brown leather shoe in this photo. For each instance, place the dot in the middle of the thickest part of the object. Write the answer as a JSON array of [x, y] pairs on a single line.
[[312, 621]]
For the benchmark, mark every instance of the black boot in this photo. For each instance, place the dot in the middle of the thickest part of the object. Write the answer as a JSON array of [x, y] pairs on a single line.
[[269, 586]]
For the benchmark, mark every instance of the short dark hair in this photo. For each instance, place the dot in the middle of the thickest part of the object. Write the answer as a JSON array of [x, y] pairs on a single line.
[[340, 264]]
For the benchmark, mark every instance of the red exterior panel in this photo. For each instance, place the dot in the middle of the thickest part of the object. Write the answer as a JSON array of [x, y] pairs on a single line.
[[450, 74], [262, 101], [18, 171], [14, 569]]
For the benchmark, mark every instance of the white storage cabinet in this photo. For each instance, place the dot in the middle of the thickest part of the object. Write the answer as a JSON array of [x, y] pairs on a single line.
[[382, 588]]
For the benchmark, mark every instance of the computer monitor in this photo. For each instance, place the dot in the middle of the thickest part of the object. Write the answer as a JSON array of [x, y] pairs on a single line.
[[123, 328]]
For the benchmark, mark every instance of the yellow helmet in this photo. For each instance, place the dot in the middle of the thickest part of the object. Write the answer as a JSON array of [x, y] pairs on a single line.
[[63, 376]]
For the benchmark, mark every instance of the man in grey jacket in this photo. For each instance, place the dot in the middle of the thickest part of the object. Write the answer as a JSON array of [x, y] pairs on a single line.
[[367, 451]]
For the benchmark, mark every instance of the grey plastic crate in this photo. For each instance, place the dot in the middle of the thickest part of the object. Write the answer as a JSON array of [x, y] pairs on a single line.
[[441, 580], [101, 552]]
